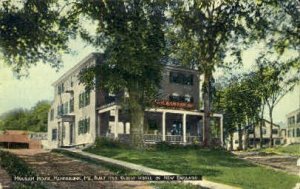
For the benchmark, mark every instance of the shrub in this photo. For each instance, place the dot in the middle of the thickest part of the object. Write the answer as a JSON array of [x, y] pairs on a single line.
[[107, 142]]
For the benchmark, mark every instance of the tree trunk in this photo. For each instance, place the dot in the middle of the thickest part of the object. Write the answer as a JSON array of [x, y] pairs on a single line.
[[206, 100], [261, 134], [137, 114], [246, 134], [261, 125], [240, 137], [271, 127], [231, 141], [254, 134], [246, 139]]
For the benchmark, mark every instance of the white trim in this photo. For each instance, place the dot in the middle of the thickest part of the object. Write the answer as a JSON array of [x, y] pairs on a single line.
[[113, 107], [75, 68]]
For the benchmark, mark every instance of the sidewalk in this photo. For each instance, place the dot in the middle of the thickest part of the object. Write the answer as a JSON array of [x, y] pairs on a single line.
[[147, 170]]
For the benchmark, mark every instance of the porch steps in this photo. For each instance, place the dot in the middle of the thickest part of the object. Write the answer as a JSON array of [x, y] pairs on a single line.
[[151, 171]]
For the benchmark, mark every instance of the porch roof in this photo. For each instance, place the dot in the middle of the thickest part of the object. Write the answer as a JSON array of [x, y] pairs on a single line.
[[166, 110]]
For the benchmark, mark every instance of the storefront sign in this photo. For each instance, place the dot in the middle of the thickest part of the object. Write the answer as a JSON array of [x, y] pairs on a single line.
[[170, 104]]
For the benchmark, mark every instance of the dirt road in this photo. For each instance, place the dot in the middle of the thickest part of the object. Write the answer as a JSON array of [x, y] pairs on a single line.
[[282, 162], [47, 163]]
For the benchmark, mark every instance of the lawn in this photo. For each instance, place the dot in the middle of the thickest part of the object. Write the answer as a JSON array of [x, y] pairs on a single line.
[[293, 149], [214, 165]]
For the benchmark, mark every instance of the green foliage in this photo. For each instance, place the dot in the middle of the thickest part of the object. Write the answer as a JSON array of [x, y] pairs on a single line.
[[17, 167], [282, 23], [131, 34], [239, 101], [109, 143], [32, 120], [33, 31]]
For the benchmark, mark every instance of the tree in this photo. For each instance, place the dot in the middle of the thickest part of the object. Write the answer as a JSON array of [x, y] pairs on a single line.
[[33, 31], [204, 32], [239, 102], [132, 34], [38, 118], [22, 119], [276, 79]]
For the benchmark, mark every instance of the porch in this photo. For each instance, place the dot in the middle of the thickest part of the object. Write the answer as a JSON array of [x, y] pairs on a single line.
[[169, 125]]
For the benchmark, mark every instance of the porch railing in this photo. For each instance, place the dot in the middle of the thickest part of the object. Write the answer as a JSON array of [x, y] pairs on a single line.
[[193, 139], [152, 138], [174, 138]]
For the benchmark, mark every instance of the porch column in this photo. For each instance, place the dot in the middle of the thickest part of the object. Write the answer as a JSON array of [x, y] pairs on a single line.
[[62, 133], [98, 125], [116, 122], [163, 126], [184, 127], [58, 134], [221, 129]]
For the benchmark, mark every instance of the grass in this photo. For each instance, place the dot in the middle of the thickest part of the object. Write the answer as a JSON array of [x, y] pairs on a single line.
[[119, 170], [293, 149], [215, 165]]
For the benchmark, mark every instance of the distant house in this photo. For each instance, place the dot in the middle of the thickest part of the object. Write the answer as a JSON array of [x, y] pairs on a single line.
[[254, 136], [293, 127], [78, 116], [22, 139]]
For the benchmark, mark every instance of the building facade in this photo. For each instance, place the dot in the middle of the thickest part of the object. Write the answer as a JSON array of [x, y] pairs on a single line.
[[254, 136], [78, 116], [293, 127]]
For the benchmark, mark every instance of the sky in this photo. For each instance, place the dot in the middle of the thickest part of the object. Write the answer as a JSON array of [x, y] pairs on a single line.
[[26, 92]]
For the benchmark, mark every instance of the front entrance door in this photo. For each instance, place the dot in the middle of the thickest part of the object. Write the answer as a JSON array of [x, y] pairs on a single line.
[[71, 133]]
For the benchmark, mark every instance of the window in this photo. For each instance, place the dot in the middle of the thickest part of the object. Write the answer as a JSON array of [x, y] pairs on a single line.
[[71, 105], [293, 132], [51, 114], [60, 110], [84, 99], [298, 118], [298, 132], [65, 108], [264, 131], [54, 134], [60, 88], [181, 78], [274, 131], [83, 126], [291, 120]]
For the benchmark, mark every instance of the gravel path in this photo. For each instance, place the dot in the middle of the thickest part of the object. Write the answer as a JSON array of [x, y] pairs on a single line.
[[53, 164]]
